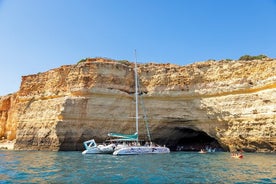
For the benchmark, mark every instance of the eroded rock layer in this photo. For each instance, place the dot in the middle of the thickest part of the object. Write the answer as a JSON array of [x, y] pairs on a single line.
[[231, 101]]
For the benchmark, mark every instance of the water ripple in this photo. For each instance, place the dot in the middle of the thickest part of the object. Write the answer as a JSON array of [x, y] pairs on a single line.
[[181, 167]]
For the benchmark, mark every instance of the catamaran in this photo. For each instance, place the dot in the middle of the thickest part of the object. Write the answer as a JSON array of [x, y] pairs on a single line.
[[134, 148]]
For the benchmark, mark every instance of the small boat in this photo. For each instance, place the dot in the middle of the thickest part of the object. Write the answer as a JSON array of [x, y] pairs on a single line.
[[237, 155], [91, 147], [202, 151]]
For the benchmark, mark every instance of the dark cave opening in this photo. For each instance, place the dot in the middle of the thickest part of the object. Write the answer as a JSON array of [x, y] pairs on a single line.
[[186, 139]]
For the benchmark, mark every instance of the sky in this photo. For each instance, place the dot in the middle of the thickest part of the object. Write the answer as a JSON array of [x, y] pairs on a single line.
[[39, 35]]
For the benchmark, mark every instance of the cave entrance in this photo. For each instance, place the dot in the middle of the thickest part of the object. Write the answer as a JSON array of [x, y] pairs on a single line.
[[186, 139]]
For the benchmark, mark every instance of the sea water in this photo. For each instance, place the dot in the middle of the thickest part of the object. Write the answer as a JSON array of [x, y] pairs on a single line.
[[175, 167]]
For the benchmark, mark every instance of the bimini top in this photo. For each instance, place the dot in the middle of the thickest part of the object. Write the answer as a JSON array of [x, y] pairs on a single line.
[[124, 137]]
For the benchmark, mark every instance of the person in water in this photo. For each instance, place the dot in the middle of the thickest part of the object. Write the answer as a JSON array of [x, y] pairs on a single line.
[[237, 154]]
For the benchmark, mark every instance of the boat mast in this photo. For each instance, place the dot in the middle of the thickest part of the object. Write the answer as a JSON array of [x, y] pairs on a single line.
[[136, 95]]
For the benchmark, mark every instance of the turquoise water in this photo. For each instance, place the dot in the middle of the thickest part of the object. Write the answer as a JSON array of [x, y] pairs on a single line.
[[176, 167]]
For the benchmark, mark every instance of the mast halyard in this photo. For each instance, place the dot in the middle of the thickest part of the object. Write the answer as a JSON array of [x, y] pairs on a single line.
[[145, 115], [136, 96]]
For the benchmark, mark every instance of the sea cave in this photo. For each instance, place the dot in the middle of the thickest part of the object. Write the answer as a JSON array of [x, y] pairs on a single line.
[[187, 139]]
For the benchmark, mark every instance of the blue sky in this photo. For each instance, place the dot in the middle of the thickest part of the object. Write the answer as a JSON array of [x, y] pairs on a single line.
[[39, 35]]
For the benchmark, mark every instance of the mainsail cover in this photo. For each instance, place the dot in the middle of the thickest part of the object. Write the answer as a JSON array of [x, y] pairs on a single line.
[[124, 137]]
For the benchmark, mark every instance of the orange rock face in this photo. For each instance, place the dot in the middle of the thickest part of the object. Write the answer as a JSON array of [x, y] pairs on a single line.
[[7, 125], [231, 101]]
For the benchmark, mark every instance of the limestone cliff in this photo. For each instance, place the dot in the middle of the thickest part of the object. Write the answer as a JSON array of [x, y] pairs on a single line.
[[231, 101], [8, 126]]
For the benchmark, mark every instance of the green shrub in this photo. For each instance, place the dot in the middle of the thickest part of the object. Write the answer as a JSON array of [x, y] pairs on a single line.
[[126, 62], [249, 58], [82, 60]]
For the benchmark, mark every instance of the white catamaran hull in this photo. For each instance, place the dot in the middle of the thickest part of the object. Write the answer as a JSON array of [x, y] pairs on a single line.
[[92, 148], [99, 150], [92, 151], [138, 150]]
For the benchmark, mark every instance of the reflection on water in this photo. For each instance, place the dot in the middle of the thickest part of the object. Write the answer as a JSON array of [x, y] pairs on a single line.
[[178, 167]]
